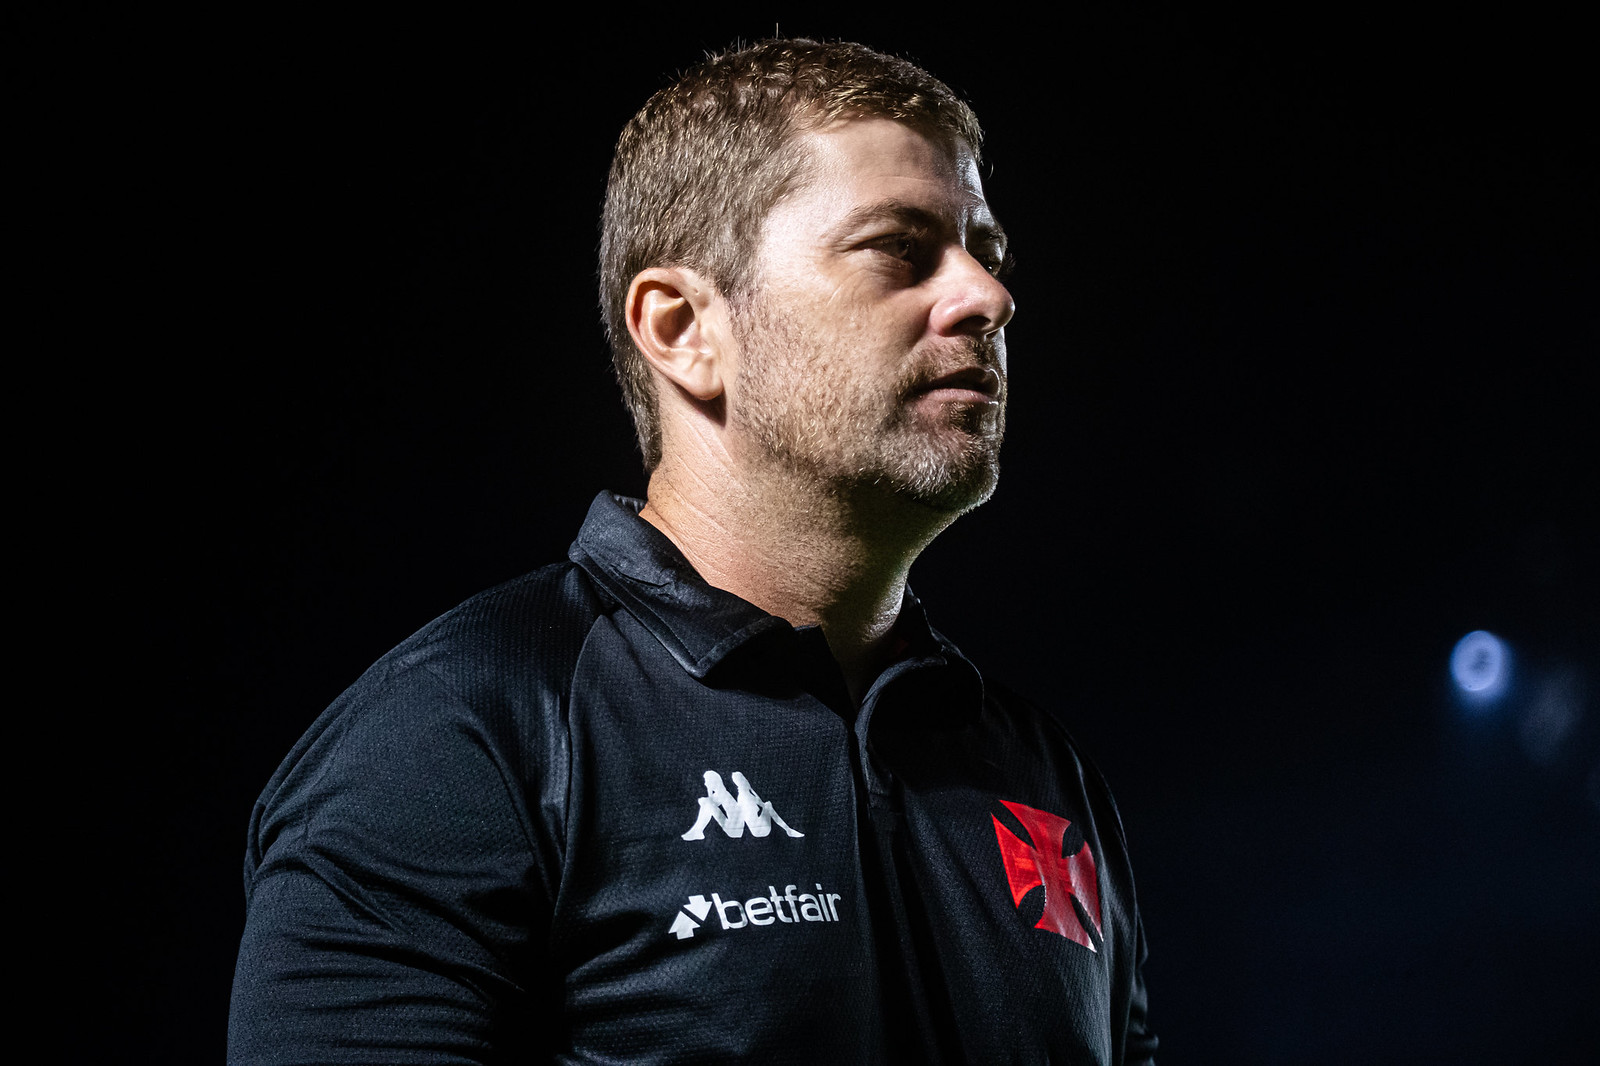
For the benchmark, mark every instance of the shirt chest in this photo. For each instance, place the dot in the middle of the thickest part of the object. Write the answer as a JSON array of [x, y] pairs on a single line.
[[718, 839]]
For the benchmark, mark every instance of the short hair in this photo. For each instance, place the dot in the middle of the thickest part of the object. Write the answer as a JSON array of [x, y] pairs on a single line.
[[699, 167]]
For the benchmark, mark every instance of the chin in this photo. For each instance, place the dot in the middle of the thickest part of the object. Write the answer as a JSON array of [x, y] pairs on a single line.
[[948, 484], [958, 497]]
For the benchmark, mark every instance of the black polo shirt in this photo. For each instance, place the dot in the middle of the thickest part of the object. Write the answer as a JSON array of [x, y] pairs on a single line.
[[608, 813]]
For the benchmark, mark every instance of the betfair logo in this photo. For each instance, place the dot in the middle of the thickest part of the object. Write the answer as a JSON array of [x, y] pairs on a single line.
[[786, 907], [735, 814]]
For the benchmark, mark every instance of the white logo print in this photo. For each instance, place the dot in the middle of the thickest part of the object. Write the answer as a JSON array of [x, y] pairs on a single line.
[[785, 907], [685, 926], [749, 810]]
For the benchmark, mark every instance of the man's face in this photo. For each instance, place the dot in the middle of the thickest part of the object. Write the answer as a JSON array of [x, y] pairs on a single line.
[[870, 348]]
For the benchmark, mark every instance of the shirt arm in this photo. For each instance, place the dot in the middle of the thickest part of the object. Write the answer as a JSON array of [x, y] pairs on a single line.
[[397, 905], [1139, 1043]]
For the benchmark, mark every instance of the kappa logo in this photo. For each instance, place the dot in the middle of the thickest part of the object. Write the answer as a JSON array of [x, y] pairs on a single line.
[[735, 814], [785, 907], [1065, 877]]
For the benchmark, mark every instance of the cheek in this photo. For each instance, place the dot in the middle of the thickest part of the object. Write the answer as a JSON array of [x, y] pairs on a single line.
[[899, 320]]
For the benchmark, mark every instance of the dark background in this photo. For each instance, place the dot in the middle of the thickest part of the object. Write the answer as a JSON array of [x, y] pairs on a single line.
[[1302, 393]]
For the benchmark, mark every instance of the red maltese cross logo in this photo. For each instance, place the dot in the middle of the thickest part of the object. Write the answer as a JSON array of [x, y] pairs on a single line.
[[1064, 877]]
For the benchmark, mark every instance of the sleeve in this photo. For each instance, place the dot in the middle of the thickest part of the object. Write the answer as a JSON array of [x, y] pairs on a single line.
[[397, 903], [1139, 1043]]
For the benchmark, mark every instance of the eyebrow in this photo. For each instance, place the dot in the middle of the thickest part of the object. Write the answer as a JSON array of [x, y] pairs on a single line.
[[904, 211]]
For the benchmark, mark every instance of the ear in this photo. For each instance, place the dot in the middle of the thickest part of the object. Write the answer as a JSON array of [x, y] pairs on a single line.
[[669, 313]]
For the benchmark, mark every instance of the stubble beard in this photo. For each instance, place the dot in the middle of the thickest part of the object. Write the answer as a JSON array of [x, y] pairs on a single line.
[[848, 433]]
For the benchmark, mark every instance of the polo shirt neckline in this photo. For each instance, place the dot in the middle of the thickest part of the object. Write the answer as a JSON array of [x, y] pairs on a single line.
[[702, 626]]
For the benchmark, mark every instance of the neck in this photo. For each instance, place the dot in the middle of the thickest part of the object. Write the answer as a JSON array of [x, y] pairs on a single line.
[[809, 554]]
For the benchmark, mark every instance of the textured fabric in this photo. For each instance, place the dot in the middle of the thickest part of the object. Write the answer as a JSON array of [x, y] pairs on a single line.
[[607, 813]]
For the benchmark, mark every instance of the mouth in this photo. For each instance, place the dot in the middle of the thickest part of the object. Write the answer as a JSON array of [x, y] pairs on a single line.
[[971, 384]]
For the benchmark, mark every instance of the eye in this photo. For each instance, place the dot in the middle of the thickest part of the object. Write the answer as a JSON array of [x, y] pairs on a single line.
[[901, 246], [995, 259]]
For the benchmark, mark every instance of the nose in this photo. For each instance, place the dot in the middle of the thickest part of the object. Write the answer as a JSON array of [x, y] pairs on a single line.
[[971, 302]]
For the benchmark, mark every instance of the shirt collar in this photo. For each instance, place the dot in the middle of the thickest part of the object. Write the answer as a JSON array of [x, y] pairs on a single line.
[[636, 563], [701, 626]]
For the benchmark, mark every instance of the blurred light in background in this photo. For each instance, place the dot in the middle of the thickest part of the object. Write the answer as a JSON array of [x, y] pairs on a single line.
[[1480, 666]]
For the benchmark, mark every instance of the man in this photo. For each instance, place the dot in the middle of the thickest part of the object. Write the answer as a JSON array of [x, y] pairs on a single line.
[[712, 790]]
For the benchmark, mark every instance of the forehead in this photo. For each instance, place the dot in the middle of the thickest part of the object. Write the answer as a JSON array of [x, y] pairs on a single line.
[[856, 162]]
